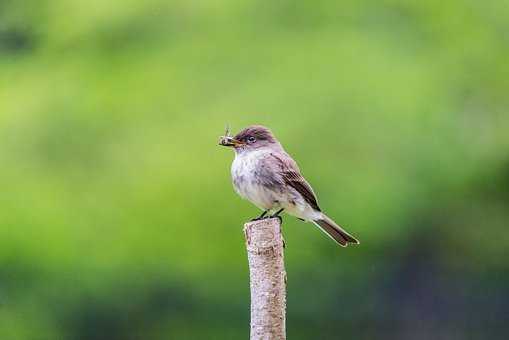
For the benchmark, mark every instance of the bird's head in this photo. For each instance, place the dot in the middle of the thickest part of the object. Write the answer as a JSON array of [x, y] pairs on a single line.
[[251, 138]]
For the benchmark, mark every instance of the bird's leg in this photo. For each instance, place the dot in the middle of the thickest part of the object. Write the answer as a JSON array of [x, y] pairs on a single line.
[[261, 216], [276, 214]]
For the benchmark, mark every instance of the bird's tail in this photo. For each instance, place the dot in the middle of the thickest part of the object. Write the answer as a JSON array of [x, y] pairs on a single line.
[[334, 231]]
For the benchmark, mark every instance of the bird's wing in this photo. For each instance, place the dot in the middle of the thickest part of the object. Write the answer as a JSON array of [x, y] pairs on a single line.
[[291, 176]]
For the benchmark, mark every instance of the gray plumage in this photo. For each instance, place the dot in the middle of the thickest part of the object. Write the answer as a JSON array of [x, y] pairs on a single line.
[[263, 173]]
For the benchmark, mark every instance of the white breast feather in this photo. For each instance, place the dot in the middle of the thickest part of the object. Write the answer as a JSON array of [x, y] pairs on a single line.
[[246, 185], [245, 182]]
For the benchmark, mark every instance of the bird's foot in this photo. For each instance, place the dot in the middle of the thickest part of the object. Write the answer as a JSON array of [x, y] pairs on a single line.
[[275, 215], [261, 217]]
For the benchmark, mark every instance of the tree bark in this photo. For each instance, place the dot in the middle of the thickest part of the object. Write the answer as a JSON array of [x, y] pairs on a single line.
[[265, 250]]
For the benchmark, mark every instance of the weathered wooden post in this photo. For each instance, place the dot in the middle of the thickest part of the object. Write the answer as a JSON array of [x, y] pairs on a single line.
[[265, 250]]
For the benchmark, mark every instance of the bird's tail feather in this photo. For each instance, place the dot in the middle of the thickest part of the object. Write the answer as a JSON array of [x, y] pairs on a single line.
[[334, 231]]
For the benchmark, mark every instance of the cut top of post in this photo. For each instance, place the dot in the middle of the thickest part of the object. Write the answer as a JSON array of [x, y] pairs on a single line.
[[263, 234]]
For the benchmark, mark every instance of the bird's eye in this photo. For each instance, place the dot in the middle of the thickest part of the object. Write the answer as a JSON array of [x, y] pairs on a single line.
[[251, 139]]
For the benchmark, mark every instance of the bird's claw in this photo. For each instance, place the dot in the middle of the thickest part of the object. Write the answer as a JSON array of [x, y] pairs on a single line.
[[259, 218], [263, 217]]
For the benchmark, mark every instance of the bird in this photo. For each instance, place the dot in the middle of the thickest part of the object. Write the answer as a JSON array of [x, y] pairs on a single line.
[[265, 174]]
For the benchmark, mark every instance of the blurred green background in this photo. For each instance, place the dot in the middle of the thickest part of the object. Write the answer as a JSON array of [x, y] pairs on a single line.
[[118, 219]]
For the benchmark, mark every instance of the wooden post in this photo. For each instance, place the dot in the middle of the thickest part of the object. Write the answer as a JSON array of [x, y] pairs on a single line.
[[265, 245]]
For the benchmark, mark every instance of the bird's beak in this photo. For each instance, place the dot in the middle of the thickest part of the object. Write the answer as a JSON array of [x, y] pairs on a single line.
[[230, 141]]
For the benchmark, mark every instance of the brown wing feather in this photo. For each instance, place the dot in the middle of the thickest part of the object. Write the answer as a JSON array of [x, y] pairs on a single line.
[[292, 177]]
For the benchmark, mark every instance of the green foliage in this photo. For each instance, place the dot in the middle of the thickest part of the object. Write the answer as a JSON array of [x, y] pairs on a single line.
[[118, 218]]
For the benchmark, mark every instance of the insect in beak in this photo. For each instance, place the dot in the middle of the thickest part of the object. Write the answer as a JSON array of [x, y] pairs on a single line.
[[228, 140]]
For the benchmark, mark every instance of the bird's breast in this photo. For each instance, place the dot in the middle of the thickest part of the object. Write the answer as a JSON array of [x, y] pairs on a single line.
[[244, 171], [247, 181]]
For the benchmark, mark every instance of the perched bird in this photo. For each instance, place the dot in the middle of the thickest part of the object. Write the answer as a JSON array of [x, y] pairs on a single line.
[[263, 173]]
